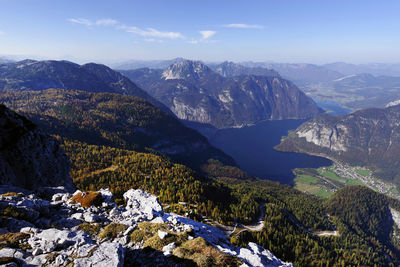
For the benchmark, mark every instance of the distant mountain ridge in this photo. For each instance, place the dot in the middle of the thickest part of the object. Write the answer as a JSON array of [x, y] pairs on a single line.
[[358, 91], [194, 92], [372, 68], [91, 77], [139, 64], [231, 69]]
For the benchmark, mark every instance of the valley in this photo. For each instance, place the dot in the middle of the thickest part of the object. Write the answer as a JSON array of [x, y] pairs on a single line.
[[325, 181], [199, 133], [252, 148]]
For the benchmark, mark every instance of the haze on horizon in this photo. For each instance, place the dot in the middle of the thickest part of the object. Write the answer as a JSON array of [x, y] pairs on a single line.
[[309, 31]]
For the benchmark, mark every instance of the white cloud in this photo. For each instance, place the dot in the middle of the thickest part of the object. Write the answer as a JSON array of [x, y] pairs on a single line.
[[106, 22], [150, 32], [1, 32], [85, 22], [243, 26], [207, 34]]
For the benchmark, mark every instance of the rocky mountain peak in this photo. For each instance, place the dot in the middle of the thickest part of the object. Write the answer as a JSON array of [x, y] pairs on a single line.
[[187, 69]]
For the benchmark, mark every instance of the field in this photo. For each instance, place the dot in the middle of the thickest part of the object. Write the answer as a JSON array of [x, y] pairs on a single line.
[[324, 181]]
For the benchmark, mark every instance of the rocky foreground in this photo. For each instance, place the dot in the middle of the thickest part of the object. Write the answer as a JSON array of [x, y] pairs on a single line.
[[51, 227]]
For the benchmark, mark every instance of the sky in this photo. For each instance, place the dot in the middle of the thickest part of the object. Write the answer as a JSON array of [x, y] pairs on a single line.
[[318, 31]]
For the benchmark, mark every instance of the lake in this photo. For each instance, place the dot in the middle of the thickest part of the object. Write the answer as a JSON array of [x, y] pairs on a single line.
[[332, 108], [252, 148]]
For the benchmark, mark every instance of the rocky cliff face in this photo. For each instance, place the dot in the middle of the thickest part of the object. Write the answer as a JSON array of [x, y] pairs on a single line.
[[368, 137], [29, 158], [196, 93]]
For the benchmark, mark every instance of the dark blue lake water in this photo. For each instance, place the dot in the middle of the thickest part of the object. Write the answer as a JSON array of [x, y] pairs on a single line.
[[253, 149], [332, 108]]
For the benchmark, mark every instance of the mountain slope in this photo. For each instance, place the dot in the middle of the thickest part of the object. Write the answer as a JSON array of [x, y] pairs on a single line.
[[41, 75], [231, 69], [29, 158], [368, 137], [196, 93], [113, 120]]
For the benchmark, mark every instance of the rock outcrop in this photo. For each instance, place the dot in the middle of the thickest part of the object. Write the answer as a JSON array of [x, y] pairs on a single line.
[[29, 158], [66, 234]]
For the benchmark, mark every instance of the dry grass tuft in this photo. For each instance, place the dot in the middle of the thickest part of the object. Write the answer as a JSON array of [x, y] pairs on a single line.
[[14, 240], [204, 254], [112, 230], [90, 228], [17, 213], [12, 194], [88, 199]]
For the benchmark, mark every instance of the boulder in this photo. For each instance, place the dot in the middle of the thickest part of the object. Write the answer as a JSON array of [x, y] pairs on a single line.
[[106, 255], [256, 255], [168, 249], [162, 234], [50, 239], [141, 206]]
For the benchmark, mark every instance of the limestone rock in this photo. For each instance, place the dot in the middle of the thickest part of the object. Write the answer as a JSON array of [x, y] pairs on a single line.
[[141, 205], [106, 255]]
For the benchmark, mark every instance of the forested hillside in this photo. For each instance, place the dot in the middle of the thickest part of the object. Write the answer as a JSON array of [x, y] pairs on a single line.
[[114, 120]]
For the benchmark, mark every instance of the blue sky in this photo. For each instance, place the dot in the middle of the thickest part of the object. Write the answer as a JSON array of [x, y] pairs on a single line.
[[317, 31]]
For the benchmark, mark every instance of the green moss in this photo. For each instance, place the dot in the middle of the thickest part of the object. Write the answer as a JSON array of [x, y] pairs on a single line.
[[112, 230]]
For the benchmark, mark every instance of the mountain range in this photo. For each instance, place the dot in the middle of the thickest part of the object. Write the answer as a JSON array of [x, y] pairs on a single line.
[[153, 64], [41, 75], [371, 68], [369, 137], [358, 91], [114, 137], [195, 92]]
